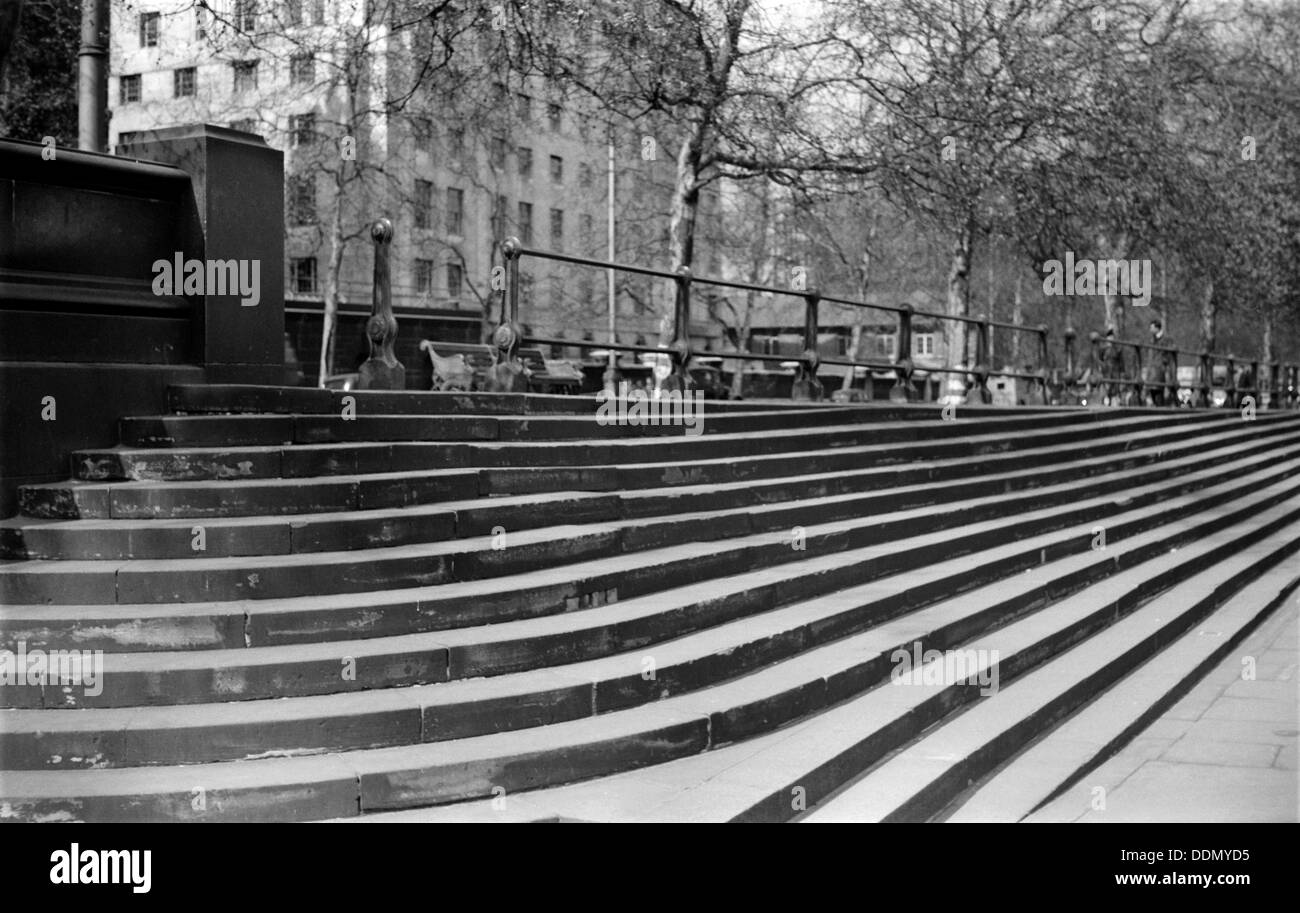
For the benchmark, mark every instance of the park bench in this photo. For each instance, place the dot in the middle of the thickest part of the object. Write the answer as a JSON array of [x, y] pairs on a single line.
[[466, 366], [459, 365], [548, 376]]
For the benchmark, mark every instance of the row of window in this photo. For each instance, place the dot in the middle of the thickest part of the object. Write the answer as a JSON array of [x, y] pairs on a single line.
[[882, 346], [304, 280], [302, 70], [301, 196], [245, 18], [524, 107]]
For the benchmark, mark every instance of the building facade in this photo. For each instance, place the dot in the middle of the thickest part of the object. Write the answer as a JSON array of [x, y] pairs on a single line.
[[459, 151]]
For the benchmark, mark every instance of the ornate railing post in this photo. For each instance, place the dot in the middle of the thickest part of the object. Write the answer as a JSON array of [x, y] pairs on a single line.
[[1171, 378], [1207, 374], [806, 385], [1096, 376], [903, 391], [980, 372], [382, 370], [680, 347], [1043, 359], [1256, 388], [507, 374], [1071, 379], [1139, 375], [1230, 384]]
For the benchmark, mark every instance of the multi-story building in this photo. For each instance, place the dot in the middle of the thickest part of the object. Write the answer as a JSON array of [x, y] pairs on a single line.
[[374, 121]]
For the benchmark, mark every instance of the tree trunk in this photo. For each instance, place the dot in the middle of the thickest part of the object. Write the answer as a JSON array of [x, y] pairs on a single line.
[[683, 211], [1017, 317], [1115, 248], [860, 314], [1209, 317], [330, 317], [955, 335], [990, 312], [746, 325], [855, 342]]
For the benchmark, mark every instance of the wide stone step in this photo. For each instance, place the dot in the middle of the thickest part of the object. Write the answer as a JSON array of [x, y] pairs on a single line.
[[917, 783], [346, 783], [245, 430], [324, 484], [249, 398], [1081, 743], [547, 591], [348, 529], [303, 460], [264, 577], [739, 624], [778, 775]]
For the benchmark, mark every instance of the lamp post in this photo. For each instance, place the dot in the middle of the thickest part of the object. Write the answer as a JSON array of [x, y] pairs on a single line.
[[611, 366], [92, 77]]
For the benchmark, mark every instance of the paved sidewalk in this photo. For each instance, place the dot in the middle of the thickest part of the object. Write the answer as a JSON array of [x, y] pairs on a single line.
[[1225, 753]]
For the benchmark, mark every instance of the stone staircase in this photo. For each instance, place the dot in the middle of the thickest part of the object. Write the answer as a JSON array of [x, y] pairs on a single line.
[[379, 606]]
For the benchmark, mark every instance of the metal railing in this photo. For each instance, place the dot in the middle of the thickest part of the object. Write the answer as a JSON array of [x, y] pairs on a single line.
[[1050, 386]]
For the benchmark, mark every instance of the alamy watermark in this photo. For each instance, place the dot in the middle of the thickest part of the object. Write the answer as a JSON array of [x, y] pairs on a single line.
[[945, 667], [636, 407], [77, 866], [60, 668], [1127, 278], [209, 277]]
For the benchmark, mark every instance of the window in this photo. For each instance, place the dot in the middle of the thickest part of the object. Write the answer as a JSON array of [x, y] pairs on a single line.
[[499, 94], [455, 211], [585, 292], [245, 75], [584, 175], [318, 12], [456, 142], [302, 69], [293, 12], [523, 107], [183, 82], [499, 217], [557, 170], [557, 295], [423, 204], [924, 344], [553, 115], [525, 162], [129, 89], [302, 275], [149, 29], [557, 229], [246, 15], [302, 199], [422, 134], [424, 277], [302, 129], [498, 152], [526, 222], [244, 125], [455, 276], [587, 228], [526, 291], [200, 24]]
